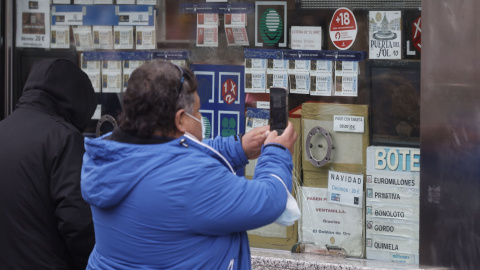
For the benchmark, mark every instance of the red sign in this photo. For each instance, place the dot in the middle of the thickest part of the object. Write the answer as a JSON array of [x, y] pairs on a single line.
[[229, 91], [343, 28], [417, 33]]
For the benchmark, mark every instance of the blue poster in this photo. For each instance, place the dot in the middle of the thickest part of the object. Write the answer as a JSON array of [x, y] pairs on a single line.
[[222, 98]]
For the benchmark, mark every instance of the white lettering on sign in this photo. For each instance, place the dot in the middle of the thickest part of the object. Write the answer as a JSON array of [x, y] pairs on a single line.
[[348, 123], [408, 158]]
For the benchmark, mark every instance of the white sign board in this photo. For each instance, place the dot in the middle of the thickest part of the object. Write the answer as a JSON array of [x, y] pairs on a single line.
[[330, 224], [348, 123], [393, 204], [345, 188], [306, 38], [33, 24]]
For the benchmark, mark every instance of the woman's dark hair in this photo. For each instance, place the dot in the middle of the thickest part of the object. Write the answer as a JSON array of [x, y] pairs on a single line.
[[155, 92]]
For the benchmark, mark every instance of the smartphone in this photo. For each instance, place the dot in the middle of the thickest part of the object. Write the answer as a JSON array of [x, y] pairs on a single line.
[[278, 109]]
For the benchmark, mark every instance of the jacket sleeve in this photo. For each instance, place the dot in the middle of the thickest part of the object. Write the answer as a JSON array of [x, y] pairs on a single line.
[[231, 148], [73, 214], [220, 202]]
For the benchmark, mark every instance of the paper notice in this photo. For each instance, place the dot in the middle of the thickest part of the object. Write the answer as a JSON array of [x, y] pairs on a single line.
[[33, 24]]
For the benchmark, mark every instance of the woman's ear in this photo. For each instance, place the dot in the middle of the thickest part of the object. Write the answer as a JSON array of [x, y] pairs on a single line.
[[179, 123]]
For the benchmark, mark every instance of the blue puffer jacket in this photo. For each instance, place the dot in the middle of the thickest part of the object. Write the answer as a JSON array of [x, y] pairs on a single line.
[[178, 204]]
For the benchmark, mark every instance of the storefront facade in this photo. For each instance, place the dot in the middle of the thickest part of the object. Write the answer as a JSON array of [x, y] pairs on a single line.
[[377, 89]]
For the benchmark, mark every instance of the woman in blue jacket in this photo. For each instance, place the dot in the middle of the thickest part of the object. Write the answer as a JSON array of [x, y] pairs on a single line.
[[163, 199]]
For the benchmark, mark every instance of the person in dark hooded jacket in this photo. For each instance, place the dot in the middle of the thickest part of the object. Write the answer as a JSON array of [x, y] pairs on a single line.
[[44, 222]]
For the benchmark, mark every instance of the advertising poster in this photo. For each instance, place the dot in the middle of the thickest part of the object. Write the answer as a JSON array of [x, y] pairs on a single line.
[[385, 35], [392, 204], [222, 98], [33, 24], [330, 224]]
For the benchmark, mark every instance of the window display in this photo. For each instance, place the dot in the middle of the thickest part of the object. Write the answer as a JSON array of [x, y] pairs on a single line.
[[352, 75]]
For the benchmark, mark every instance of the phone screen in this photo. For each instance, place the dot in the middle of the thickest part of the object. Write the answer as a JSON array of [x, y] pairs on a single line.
[[278, 109]]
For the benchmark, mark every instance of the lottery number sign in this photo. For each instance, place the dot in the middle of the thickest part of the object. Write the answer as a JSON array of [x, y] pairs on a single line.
[[343, 28], [229, 91]]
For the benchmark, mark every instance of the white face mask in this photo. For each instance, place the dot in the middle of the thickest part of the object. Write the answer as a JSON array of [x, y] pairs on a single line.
[[200, 121]]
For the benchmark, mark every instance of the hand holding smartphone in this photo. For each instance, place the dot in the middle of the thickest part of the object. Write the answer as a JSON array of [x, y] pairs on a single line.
[[278, 109]]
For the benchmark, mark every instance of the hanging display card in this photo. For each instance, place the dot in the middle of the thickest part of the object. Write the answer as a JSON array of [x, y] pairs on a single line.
[[255, 81], [346, 78], [236, 35], [235, 19], [393, 204], [385, 35], [255, 75], [207, 19], [306, 37], [277, 79], [102, 37], [235, 29], [146, 2], [299, 76], [207, 35], [330, 224], [111, 81], [83, 38], [277, 65], [125, 2], [321, 77], [128, 67], [299, 82], [145, 38], [103, 2], [93, 71], [60, 37], [83, 2], [122, 37], [33, 24], [321, 84]]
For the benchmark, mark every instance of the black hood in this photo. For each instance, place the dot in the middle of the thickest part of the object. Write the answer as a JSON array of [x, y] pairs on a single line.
[[62, 88]]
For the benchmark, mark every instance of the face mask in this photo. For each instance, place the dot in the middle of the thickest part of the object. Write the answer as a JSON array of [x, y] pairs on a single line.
[[200, 121]]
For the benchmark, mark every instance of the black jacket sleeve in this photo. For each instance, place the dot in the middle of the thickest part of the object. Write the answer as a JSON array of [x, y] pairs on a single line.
[[73, 214]]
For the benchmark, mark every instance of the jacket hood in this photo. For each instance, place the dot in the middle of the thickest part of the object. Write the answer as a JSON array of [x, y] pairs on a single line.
[[64, 83]]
